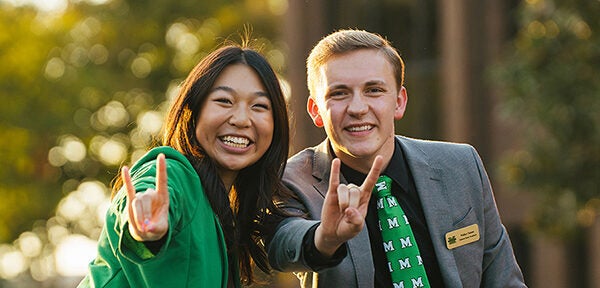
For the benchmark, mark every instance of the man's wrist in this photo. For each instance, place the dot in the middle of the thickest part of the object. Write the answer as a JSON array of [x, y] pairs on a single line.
[[314, 258], [326, 247]]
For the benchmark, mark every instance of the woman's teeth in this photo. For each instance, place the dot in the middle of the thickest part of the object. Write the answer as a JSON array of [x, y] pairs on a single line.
[[237, 142]]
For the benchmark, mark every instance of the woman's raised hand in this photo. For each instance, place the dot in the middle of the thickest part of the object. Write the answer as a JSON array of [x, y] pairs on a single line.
[[148, 211]]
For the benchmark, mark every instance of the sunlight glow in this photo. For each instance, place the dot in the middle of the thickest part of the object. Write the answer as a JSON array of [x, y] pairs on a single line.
[[179, 37], [51, 6], [70, 149], [70, 208], [56, 157], [113, 114], [278, 7], [55, 68], [73, 254], [57, 233], [150, 122], [12, 262], [110, 151], [73, 149], [141, 67], [30, 244]]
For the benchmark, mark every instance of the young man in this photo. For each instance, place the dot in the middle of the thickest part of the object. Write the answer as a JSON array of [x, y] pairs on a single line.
[[356, 88]]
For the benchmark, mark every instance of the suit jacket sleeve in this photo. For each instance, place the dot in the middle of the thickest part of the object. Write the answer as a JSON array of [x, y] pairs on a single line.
[[500, 268], [285, 247]]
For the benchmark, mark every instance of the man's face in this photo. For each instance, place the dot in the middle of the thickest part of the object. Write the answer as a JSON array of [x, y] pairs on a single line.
[[357, 101]]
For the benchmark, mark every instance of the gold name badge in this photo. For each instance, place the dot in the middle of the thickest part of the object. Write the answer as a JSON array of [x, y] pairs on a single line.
[[462, 236]]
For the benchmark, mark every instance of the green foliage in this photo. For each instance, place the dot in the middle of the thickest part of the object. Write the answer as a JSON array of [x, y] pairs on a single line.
[[84, 89], [552, 89]]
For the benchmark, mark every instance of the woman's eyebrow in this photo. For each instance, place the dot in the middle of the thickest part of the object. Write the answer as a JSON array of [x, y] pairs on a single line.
[[231, 90]]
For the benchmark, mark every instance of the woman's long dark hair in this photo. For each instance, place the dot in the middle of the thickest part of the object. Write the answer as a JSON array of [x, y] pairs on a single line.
[[255, 185]]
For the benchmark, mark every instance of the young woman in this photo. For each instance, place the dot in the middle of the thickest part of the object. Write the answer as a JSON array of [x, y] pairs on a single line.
[[189, 213]]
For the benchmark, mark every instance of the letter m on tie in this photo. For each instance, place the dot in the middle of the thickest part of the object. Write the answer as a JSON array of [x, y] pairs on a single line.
[[405, 242], [388, 246], [380, 186], [392, 202], [393, 222], [418, 282]]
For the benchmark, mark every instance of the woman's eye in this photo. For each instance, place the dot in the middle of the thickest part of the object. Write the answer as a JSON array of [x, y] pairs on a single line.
[[262, 106], [223, 100]]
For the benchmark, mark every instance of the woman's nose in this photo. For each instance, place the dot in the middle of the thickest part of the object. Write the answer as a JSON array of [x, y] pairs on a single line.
[[240, 117]]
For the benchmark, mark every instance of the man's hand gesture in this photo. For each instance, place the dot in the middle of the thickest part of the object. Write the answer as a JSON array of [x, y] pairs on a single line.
[[344, 209]]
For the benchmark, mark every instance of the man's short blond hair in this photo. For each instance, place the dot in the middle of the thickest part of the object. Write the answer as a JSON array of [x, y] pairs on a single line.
[[344, 41]]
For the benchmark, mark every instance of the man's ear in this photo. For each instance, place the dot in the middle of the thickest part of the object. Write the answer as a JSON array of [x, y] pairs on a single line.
[[313, 111], [401, 102]]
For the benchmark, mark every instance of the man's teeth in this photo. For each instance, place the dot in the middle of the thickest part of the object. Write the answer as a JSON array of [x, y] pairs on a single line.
[[238, 142], [360, 128]]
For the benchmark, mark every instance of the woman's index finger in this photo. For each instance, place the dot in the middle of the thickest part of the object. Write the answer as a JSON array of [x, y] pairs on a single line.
[[126, 177], [161, 175]]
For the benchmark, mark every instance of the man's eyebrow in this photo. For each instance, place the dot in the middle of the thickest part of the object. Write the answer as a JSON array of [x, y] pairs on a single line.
[[374, 82], [337, 86], [368, 83]]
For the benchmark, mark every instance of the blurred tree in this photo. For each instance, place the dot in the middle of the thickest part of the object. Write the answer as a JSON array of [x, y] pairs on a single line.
[[552, 89], [84, 87], [31, 116]]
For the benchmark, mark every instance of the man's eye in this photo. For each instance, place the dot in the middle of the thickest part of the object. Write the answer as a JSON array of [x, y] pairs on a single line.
[[375, 90], [337, 93]]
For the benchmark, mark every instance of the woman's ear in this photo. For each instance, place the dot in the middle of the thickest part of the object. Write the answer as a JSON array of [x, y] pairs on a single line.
[[313, 111]]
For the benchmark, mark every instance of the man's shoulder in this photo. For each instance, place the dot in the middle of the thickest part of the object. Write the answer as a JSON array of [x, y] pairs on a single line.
[[451, 153], [432, 145], [304, 153], [301, 161]]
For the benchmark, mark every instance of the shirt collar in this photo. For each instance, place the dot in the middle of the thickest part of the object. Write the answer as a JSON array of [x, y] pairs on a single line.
[[397, 169]]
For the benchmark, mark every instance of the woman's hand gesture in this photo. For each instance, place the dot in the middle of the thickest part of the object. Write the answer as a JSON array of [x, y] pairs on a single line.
[[148, 211]]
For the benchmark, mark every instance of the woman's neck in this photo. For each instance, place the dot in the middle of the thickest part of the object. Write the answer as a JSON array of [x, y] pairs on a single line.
[[228, 178]]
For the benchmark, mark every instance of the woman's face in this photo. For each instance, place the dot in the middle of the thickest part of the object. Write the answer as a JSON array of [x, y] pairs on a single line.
[[235, 125]]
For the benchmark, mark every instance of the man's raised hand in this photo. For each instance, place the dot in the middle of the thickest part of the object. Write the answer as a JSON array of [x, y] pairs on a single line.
[[344, 209]]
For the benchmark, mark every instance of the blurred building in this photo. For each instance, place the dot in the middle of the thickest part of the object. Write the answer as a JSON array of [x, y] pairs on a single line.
[[448, 47]]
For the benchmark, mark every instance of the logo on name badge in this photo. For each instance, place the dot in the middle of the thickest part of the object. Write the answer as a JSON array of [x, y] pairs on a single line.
[[462, 236]]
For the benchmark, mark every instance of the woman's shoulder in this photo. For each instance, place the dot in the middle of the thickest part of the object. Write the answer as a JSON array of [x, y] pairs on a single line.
[[169, 152], [181, 175], [176, 162]]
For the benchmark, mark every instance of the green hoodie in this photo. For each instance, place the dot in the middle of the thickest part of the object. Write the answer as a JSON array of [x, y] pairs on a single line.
[[193, 254]]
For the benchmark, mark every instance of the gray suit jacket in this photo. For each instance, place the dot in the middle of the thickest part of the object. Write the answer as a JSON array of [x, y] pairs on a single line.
[[455, 192]]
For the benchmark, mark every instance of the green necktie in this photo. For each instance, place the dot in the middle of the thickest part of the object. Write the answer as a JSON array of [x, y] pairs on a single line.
[[404, 260]]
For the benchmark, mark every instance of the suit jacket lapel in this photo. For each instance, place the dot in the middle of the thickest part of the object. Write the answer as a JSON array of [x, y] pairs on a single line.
[[322, 166], [434, 198]]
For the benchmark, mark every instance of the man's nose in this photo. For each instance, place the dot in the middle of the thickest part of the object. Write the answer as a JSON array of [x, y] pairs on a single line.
[[357, 106]]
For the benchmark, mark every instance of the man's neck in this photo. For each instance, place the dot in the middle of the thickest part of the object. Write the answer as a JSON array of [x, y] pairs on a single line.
[[362, 164]]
